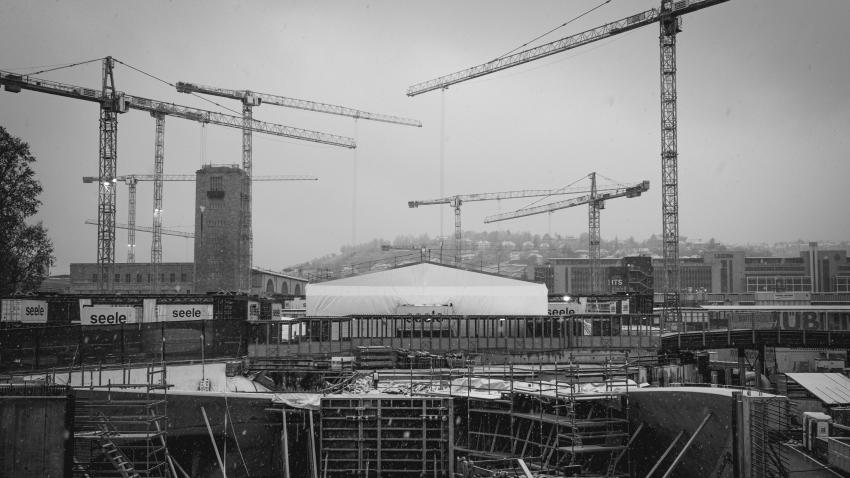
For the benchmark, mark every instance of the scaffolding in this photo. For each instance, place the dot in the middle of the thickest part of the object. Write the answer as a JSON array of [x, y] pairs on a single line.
[[563, 425], [769, 430], [386, 436], [120, 428]]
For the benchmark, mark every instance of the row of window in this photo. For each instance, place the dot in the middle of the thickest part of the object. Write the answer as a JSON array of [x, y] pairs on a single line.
[[128, 277], [779, 284]]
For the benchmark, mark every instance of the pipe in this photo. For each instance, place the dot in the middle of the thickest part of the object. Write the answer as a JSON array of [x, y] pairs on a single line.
[[212, 439], [675, 440], [688, 444]]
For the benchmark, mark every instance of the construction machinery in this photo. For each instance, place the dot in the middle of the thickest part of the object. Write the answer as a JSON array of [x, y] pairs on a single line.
[[668, 16], [457, 200], [132, 179], [250, 99], [596, 202], [112, 103]]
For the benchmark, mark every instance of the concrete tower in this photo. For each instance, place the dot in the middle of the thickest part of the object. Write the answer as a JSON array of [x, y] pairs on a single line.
[[217, 229]]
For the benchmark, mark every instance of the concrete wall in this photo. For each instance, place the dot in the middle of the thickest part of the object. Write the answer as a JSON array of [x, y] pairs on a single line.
[[667, 411], [33, 441]]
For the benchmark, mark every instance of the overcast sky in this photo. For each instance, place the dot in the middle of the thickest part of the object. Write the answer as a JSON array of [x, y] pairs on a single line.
[[764, 116]]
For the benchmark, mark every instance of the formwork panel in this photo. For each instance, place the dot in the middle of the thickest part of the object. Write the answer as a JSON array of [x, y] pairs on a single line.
[[397, 436]]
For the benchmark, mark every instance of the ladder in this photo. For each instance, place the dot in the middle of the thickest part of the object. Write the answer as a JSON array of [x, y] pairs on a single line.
[[115, 455]]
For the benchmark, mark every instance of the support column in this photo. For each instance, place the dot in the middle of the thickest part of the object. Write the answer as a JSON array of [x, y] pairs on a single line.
[[742, 369]]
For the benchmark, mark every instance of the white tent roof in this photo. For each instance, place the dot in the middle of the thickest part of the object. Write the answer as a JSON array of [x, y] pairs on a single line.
[[426, 284]]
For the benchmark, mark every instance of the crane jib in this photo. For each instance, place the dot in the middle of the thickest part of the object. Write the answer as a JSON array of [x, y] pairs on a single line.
[[567, 43]]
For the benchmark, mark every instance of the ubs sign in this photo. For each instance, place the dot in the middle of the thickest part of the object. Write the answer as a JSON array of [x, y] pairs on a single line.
[[812, 320]]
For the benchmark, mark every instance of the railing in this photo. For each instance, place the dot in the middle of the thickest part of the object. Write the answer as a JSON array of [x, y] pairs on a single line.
[[327, 336], [813, 319], [775, 326]]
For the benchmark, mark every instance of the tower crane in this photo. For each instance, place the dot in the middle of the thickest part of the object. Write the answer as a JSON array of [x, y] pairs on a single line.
[[112, 103], [250, 99], [457, 200], [668, 16], [595, 202], [132, 179]]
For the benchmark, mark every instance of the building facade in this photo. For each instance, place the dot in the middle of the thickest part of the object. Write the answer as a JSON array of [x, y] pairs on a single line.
[[176, 278], [716, 272], [136, 278], [571, 276]]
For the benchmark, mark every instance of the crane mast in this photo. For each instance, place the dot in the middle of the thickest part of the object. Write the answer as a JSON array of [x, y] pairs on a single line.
[[108, 160], [131, 220], [670, 25], [668, 16], [249, 100], [456, 201], [112, 102], [594, 238], [159, 159], [595, 201]]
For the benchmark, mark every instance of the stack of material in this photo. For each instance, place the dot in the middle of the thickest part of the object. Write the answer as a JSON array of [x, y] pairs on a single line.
[[359, 384], [375, 357], [421, 360]]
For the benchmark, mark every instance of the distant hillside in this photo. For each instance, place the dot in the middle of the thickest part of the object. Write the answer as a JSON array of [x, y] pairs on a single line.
[[509, 253]]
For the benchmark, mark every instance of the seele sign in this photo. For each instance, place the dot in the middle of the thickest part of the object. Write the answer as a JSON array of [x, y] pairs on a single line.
[[25, 311], [566, 308], [107, 315], [183, 312]]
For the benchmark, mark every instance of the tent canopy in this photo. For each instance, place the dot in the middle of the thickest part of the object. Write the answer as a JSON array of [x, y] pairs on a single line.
[[426, 287]]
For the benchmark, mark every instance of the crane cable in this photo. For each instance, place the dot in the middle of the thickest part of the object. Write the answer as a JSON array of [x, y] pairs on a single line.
[[175, 86], [552, 30], [60, 66], [532, 203]]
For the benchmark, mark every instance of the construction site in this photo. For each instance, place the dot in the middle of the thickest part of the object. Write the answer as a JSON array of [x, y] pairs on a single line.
[[419, 365]]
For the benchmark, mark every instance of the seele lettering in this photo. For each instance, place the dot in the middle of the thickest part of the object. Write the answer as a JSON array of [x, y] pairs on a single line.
[[39, 310], [107, 319], [183, 313]]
